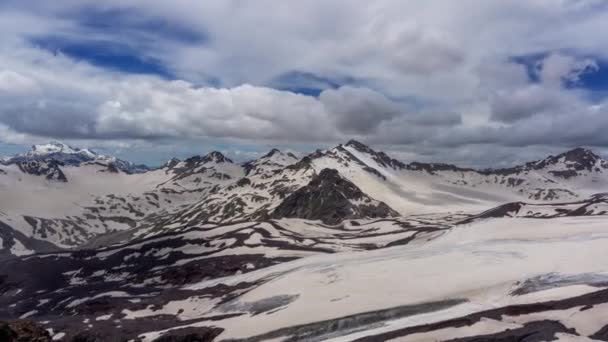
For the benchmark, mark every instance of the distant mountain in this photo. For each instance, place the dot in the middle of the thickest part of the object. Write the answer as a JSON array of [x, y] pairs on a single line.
[[60, 154], [596, 205], [575, 162]]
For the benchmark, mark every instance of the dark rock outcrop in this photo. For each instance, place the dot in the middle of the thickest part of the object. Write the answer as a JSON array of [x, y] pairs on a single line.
[[49, 169], [21, 331], [434, 167], [216, 157], [169, 164], [200, 334], [331, 198], [578, 159]]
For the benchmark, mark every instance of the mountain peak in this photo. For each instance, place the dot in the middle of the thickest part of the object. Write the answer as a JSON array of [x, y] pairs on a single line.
[[331, 198], [576, 159], [216, 157], [579, 154], [65, 154], [270, 162], [171, 163], [55, 147], [271, 153], [358, 145], [564, 165]]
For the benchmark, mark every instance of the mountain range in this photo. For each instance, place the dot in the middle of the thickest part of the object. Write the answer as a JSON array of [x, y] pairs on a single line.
[[57, 196], [98, 248]]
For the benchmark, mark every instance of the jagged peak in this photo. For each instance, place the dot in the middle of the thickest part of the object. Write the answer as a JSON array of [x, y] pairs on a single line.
[[564, 165], [270, 162], [57, 147], [576, 159], [275, 156], [579, 153], [271, 153], [216, 157], [359, 146], [356, 144], [171, 163], [331, 198], [211, 157]]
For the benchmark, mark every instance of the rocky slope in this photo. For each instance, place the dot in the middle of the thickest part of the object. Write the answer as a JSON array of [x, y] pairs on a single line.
[[331, 199], [122, 291], [341, 244], [416, 278], [67, 196]]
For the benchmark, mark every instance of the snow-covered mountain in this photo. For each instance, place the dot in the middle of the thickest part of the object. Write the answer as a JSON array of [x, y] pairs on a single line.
[[61, 154], [428, 187], [69, 196], [340, 244]]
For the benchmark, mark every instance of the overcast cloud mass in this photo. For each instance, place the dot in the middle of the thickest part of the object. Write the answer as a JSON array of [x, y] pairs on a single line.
[[475, 82]]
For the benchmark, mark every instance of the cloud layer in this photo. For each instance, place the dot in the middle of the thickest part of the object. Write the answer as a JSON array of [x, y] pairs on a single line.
[[428, 76]]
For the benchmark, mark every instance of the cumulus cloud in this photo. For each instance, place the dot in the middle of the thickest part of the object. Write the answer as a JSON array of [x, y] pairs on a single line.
[[558, 68], [521, 103], [412, 49], [422, 75], [13, 83], [177, 109], [550, 96], [358, 110]]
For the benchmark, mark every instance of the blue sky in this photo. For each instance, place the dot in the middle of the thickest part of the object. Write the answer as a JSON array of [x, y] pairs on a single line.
[[150, 79]]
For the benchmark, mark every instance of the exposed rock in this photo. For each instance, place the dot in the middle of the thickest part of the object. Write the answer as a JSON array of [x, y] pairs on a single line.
[[331, 198], [272, 152], [432, 168], [169, 164], [49, 169], [23, 331], [199, 334], [216, 157], [243, 182], [578, 159]]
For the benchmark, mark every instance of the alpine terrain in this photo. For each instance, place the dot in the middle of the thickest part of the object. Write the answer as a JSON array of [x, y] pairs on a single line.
[[343, 244]]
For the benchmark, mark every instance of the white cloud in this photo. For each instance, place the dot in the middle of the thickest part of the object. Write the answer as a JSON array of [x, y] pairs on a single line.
[[558, 68], [358, 110], [13, 83], [430, 74], [176, 109]]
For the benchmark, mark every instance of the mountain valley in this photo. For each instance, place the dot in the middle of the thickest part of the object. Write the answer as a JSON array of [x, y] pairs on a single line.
[[341, 244]]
